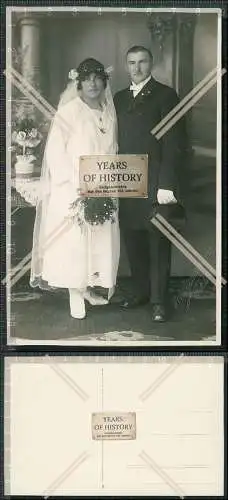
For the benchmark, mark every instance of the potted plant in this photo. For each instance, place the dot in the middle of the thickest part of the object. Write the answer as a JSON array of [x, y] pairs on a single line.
[[25, 139]]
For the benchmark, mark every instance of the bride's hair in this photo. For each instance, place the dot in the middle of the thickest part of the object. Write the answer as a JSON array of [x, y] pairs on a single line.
[[77, 76], [89, 66]]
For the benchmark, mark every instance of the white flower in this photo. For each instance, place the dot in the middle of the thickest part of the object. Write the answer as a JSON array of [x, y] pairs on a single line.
[[109, 70], [73, 74], [32, 143], [21, 136], [33, 133]]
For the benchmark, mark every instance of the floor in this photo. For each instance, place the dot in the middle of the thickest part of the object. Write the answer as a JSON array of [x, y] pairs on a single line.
[[45, 317]]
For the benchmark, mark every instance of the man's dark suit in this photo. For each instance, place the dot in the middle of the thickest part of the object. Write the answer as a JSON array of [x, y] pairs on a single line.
[[148, 249]]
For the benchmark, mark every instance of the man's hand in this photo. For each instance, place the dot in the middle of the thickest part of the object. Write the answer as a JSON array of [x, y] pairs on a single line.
[[164, 196]]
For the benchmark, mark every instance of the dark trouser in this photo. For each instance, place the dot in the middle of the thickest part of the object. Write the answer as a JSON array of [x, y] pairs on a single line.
[[149, 254]]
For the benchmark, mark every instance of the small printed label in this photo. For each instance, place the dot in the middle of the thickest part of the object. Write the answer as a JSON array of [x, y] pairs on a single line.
[[122, 176], [113, 426]]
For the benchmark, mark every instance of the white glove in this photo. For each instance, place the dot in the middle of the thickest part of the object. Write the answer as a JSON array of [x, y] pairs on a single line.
[[165, 196]]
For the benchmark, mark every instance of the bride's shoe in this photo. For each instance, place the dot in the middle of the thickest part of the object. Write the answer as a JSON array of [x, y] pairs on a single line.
[[94, 299], [77, 305]]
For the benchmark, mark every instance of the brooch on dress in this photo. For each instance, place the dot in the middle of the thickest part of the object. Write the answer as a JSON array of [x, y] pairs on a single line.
[[101, 128]]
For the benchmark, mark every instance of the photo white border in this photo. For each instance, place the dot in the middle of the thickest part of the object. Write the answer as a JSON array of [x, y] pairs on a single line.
[[124, 10], [218, 240]]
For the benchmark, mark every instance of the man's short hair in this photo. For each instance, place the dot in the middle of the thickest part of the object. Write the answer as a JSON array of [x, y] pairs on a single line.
[[139, 48]]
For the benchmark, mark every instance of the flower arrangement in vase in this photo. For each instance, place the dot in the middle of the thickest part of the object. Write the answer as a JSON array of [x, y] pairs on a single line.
[[26, 138]]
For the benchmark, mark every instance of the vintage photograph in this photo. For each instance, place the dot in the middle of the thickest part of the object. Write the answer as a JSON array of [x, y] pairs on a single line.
[[125, 88]]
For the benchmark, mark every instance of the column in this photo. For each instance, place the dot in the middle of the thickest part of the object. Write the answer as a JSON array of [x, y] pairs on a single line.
[[184, 66], [185, 29], [28, 66], [30, 47], [26, 61], [162, 28]]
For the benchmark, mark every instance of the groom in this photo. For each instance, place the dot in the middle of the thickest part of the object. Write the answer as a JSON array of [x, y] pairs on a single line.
[[140, 108]]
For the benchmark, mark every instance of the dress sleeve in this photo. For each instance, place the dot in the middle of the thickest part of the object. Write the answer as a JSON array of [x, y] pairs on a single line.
[[60, 164]]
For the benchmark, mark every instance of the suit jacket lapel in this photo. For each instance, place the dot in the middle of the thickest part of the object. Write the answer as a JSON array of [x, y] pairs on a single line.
[[146, 90], [140, 98]]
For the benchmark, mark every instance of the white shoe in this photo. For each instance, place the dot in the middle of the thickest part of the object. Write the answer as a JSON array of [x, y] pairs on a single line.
[[77, 305], [94, 300], [77, 315]]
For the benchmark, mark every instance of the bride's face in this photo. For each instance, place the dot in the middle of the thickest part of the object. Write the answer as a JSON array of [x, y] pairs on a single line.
[[93, 86]]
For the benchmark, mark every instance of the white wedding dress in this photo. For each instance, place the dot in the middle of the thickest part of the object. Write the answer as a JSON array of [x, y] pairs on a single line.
[[77, 257]]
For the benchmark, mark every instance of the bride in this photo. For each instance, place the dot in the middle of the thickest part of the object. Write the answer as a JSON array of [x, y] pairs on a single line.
[[65, 253]]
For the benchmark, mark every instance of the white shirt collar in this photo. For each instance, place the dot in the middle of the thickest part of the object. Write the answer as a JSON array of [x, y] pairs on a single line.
[[137, 87]]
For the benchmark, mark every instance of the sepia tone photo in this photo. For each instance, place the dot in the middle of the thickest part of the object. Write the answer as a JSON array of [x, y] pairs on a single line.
[[103, 95]]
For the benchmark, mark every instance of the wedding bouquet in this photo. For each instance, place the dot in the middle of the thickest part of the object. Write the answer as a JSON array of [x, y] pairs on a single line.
[[94, 211]]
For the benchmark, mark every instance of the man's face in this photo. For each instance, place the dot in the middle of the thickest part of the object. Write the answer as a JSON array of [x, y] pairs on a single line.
[[139, 66]]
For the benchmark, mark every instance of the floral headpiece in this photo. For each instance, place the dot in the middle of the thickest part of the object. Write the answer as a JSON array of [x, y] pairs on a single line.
[[88, 68]]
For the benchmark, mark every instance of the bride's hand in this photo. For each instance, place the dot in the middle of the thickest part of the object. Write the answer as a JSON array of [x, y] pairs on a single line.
[[72, 209], [75, 207]]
